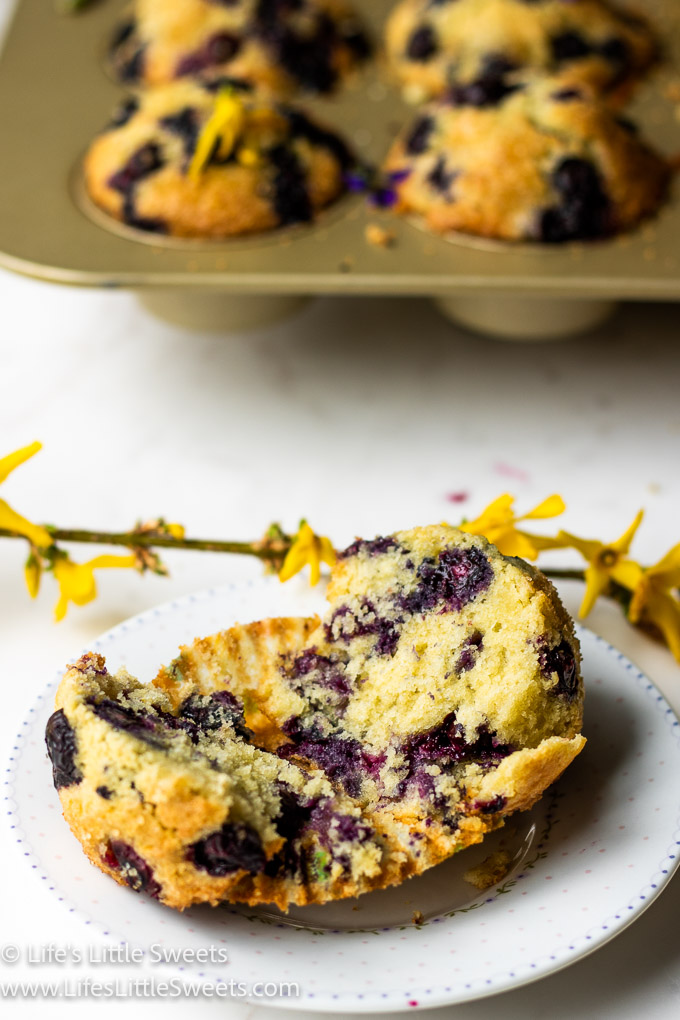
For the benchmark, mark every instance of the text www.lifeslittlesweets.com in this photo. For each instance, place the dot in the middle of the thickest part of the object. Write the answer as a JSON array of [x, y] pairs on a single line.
[[147, 988]]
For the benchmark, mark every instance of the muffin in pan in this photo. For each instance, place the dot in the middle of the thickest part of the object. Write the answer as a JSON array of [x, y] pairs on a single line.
[[279, 45], [433, 44], [209, 159], [536, 159], [301, 761]]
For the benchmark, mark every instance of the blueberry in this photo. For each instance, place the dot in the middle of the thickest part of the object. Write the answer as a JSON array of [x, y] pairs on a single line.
[[455, 579], [302, 127], [219, 49], [490, 807], [127, 109], [292, 819], [236, 846], [471, 649], [569, 46], [62, 748], [104, 792], [486, 91], [440, 178], [333, 826], [122, 33], [422, 45], [447, 742], [561, 661], [375, 546], [566, 95], [128, 60], [584, 211], [446, 745], [185, 125], [319, 670], [144, 726], [132, 69], [419, 138], [291, 197], [145, 161], [340, 756], [136, 872], [346, 624], [615, 50], [308, 56], [204, 713]]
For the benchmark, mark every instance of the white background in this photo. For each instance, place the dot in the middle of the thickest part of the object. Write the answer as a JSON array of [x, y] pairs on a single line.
[[361, 415]]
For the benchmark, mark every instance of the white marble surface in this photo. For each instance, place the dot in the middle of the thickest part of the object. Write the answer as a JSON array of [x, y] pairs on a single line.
[[362, 415]]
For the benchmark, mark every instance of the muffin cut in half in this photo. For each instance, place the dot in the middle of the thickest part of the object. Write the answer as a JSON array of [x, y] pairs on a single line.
[[282, 46], [271, 166], [435, 44], [526, 159], [297, 761]]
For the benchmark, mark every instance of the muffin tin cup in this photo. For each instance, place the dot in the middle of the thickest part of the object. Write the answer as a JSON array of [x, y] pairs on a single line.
[[523, 292], [215, 311], [531, 319]]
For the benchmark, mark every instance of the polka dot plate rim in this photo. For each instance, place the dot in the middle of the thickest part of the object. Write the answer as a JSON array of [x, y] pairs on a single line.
[[585, 863]]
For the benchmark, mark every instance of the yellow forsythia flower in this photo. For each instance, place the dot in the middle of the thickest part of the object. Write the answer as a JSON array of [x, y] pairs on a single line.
[[76, 580], [654, 600], [498, 523], [606, 563], [307, 548], [220, 132], [10, 519], [175, 530]]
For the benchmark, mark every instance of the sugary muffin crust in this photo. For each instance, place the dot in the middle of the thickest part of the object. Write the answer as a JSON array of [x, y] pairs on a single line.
[[433, 44], [526, 158], [278, 45], [282, 168], [299, 761]]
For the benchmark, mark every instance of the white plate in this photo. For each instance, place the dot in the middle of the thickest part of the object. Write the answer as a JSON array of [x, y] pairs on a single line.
[[586, 861]]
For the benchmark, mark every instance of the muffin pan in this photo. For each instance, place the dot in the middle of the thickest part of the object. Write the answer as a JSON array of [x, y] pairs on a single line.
[[55, 95]]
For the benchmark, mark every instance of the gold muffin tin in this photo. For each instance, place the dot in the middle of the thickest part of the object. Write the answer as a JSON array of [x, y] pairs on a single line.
[[55, 95]]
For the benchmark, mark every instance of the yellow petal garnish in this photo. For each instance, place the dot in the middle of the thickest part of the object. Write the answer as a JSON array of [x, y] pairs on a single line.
[[175, 530], [307, 548], [498, 523], [220, 132], [606, 563], [248, 157], [76, 580]]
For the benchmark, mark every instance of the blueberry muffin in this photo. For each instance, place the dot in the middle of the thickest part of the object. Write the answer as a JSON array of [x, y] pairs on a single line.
[[180, 804], [534, 159], [266, 165], [280, 45], [300, 761], [433, 44]]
